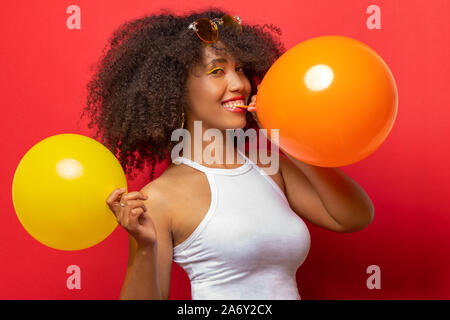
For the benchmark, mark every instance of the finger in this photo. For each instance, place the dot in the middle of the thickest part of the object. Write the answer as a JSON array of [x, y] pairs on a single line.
[[137, 211], [143, 217], [133, 218], [124, 218], [134, 195], [133, 221], [131, 204], [128, 216], [113, 201], [128, 200], [142, 221], [125, 215], [113, 196]]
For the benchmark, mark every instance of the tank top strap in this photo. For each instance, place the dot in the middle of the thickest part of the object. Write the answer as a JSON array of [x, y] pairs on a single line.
[[235, 171]]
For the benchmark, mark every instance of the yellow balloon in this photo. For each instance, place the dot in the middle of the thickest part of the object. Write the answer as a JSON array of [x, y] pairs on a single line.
[[60, 189]]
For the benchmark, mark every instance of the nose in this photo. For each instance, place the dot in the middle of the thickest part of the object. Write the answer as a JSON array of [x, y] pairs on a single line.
[[236, 82]]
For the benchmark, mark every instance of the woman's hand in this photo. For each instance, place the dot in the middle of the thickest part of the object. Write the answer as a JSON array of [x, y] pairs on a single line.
[[131, 214], [252, 109]]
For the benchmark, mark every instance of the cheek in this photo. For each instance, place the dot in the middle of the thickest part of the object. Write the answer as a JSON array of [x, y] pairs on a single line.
[[200, 98], [208, 91], [205, 104]]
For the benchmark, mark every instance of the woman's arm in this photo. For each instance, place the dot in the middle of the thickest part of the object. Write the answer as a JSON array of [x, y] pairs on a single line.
[[141, 281], [327, 197], [149, 269]]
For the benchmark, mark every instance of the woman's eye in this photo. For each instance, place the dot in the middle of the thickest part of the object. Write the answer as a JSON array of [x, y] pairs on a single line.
[[215, 71]]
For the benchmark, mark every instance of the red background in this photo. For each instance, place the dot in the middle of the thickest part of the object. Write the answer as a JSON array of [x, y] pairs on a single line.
[[45, 68]]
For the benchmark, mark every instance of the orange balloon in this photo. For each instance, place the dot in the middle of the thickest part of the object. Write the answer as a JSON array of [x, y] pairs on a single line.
[[333, 99]]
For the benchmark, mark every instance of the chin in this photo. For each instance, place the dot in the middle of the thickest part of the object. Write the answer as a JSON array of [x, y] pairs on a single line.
[[237, 124]]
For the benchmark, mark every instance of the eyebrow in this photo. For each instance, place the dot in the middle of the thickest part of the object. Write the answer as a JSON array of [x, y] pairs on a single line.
[[216, 60]]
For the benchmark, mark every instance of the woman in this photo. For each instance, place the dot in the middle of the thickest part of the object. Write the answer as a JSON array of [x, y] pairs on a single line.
[[237, 232]]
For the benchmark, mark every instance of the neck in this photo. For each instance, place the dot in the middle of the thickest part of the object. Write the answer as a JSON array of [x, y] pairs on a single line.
[[211, 147]]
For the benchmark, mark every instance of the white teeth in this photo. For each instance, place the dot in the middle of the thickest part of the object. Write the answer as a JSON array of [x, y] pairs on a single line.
[[233, 104]]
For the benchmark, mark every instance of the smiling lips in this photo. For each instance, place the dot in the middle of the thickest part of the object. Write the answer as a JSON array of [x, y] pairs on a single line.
[[234, 103], [235, 106]]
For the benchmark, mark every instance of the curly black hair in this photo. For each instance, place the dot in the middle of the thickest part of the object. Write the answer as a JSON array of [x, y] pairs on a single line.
[[137, 93]]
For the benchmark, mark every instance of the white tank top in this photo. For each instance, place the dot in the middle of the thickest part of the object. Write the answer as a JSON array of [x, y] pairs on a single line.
[[249, 244]]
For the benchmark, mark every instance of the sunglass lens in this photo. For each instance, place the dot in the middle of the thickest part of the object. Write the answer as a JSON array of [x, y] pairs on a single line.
[[206, 30], [232, 22]]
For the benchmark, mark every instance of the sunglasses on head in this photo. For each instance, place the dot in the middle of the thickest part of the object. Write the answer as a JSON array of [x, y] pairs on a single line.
[[208, 31]]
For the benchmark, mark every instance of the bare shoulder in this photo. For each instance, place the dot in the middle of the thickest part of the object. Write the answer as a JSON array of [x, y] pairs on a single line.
[[169, 192]]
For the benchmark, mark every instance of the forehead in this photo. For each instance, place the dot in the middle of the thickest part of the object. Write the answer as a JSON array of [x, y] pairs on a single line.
[[210, 54]]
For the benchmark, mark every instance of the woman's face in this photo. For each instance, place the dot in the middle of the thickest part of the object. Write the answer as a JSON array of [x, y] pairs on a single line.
[[212, 83]]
